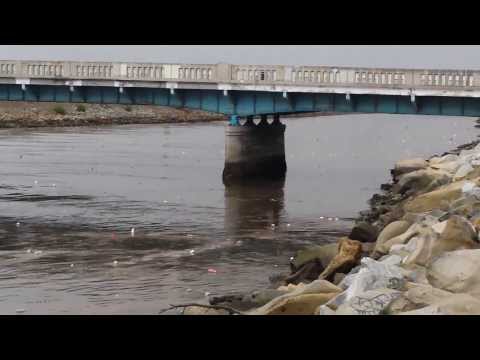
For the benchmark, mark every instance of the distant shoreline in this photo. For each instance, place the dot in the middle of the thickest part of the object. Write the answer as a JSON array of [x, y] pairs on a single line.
[[39, 115]]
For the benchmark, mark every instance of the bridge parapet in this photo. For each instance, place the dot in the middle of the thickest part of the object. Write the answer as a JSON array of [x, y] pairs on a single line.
[[309, 76]]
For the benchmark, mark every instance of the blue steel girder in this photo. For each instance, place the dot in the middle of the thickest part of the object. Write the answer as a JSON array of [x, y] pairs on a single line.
[[246, 103]]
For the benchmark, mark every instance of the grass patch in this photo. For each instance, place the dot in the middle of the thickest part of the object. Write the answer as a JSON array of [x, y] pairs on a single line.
[[81, 108], [60, 110], [128, 108]]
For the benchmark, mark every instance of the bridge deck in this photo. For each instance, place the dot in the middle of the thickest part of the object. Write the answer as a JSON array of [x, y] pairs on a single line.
[[245, 89]]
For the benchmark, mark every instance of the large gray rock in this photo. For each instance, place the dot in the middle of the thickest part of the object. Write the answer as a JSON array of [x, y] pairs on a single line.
[[463, 171], [438, 199], [454, 234], [364, 232], [392, 230], [382, 248], [443, 159], [421, 180], [456, 271], [409, 165], [372, 302], [416, 297], [455, 304], [374, 275]]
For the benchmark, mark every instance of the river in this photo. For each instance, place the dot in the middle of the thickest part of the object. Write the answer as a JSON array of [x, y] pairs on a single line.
[[69, 198]]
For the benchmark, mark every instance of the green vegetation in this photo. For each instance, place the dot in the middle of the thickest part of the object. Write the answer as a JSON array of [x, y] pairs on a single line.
[[81, 108], [59, 110], [128, 108]]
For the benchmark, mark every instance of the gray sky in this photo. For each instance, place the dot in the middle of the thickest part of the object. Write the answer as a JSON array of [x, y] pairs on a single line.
[[417, 56]]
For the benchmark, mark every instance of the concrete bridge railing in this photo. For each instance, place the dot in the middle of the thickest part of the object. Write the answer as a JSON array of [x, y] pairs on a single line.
[[315, 76]]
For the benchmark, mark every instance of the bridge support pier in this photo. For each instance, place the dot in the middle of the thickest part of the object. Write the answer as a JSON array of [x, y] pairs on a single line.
[[255, 151]]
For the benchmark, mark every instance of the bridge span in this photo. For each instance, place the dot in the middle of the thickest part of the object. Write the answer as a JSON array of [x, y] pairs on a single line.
[[246, 91]]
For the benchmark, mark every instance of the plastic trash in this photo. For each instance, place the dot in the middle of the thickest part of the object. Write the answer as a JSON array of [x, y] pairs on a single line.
[[322, 218], [17, 224], [212, 271], [71, 265], [29, 251], [192, 252], [288, 225], [189, 290], [207, 294], [132, 232], [38, 252], [35, 182], [20, 311], [115, 263]]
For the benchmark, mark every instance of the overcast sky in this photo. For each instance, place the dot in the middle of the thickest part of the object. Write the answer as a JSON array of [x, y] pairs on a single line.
[[417, 56]]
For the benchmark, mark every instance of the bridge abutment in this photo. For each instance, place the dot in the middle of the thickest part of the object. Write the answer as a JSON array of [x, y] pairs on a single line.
[[255, 151]]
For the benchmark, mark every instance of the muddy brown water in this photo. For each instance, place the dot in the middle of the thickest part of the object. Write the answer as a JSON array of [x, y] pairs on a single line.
[[70, 196]]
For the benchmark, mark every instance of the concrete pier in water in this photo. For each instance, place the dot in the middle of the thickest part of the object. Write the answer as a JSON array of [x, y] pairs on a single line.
[[255, 151]]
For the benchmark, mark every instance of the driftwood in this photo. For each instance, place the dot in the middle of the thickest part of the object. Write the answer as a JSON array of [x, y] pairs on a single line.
[[215, 307]]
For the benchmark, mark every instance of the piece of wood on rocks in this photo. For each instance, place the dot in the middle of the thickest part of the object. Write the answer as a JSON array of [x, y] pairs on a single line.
[[348, 256]]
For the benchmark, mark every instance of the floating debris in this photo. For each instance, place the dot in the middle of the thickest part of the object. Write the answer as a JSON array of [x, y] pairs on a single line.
[[71, 265], [165, 201], [288, 225], [132, 232], [115, 263], [189, 235], [321, 218], [35, 182], [189, 290], [20, 311], [212, 271], [207, 294], [292, 258], [192, 252], [37, 252], [29, 251], [17, 224]]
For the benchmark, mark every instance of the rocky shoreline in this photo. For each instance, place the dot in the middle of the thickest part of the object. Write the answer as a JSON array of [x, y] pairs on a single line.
[[416, 251], [36, 115]]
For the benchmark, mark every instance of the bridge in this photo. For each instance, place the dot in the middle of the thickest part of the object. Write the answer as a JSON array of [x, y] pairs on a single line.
[[244, 92]]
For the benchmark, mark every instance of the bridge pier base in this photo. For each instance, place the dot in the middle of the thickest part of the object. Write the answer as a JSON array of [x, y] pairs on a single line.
[[255, 152]]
